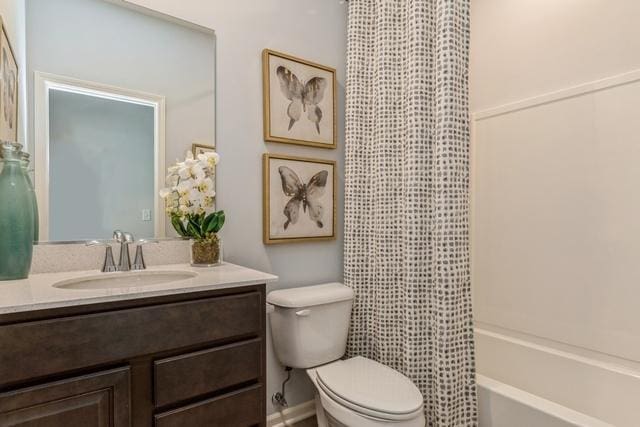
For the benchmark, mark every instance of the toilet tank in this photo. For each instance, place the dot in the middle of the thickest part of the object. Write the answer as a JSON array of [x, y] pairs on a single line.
[[309, 325]]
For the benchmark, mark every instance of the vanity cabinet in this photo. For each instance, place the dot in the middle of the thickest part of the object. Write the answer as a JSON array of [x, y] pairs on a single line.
[[100, 399], [192, 359]]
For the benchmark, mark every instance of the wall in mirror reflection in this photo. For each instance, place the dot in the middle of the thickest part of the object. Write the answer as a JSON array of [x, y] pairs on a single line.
[[94, 186]]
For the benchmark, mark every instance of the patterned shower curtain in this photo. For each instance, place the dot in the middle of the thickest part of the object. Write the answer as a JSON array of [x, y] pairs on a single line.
[[407, 197]]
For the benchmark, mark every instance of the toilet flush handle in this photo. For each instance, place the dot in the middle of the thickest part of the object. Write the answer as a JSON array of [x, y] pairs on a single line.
[[303, 313]]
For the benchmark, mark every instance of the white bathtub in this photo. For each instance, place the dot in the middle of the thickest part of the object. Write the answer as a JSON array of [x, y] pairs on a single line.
[[527, 381], [501, 405]]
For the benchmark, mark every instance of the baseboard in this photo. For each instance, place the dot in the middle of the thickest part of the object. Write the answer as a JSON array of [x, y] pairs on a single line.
[[292, 415]]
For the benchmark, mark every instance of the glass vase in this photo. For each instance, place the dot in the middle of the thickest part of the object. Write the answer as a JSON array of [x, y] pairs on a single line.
[[16, 216], [206, 253], [34, 200]]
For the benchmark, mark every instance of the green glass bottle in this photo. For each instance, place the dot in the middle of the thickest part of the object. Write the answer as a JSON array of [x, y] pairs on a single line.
[[32, 196], [16, 216]]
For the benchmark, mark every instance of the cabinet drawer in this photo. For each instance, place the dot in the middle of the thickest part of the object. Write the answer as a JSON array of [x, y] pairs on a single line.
[[86, 340], [238, 409], [193, 374], [98, 399]]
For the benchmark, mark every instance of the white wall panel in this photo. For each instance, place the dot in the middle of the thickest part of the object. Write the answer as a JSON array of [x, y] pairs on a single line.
[[556, 209], [556, 239]]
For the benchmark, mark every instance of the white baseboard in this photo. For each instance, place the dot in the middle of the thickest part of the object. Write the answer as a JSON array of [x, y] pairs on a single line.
[[292, 415]]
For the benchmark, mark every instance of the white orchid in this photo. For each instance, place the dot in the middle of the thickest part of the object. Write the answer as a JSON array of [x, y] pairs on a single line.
[[211, 158], [190, 190]]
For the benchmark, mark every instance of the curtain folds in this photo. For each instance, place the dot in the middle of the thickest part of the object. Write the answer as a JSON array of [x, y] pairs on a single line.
[[406, 197]]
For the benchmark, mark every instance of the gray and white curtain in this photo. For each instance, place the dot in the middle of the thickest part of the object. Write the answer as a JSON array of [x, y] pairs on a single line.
[[406, 208]]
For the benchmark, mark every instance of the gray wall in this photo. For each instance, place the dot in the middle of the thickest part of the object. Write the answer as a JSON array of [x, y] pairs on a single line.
[[106, 43], [100, 167], [311, 29]]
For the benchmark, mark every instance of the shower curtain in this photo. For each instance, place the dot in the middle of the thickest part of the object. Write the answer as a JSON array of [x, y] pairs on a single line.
[[406, 197]]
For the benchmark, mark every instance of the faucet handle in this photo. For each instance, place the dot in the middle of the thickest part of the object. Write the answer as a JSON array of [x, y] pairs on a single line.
[[108, 265], [138, 263], [122, 236]]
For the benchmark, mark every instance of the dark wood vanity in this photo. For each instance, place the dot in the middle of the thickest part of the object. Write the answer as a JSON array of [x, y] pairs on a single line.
[[189, 359]]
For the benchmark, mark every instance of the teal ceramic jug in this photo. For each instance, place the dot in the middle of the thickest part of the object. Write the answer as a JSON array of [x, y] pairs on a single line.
[[32, 196], [16, 216]]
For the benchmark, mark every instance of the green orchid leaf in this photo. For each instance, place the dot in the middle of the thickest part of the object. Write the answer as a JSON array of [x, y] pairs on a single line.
[[211, 228], [194, 227], [220, 221], [193, 231], [178, 226], [207, 221]]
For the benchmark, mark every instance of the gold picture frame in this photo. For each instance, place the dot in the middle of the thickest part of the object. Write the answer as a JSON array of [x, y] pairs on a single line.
[[275, 122], [307, 228], [200, 148], [9, 75]]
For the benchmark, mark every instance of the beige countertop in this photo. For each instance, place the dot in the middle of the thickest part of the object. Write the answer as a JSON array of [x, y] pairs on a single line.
[[38, 291]]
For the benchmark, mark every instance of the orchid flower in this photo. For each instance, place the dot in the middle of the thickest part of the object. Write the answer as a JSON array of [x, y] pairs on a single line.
[[190, 196]]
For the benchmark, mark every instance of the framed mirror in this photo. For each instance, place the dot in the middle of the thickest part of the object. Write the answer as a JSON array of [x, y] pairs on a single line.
[[109, 107]]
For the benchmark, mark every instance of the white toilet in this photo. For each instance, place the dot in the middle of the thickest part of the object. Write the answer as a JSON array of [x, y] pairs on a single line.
[[309, 328]]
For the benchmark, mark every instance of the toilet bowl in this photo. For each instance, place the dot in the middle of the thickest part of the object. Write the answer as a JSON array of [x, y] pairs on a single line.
[[309, 327], [360, 392]]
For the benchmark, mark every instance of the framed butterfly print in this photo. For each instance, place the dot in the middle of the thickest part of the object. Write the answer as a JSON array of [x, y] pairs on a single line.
[[8, 89], [299, 199], [299, 101]]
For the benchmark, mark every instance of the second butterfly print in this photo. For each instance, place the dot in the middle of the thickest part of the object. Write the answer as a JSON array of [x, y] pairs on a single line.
[[299, 101], [299, 199]]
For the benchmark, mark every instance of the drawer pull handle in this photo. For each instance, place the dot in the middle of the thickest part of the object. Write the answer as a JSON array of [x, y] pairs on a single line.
[[303, 313]]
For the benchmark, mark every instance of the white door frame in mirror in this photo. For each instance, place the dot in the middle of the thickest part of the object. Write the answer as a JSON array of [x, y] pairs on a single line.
[[44, 82]]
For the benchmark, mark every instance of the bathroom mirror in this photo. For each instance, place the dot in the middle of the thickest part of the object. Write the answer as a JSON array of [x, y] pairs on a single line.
[[115, 94]]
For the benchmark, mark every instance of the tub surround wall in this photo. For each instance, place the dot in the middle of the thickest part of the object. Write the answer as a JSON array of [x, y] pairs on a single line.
[[554, 248]]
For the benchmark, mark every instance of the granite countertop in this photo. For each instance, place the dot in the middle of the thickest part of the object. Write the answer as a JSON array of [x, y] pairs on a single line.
[[37, 292]]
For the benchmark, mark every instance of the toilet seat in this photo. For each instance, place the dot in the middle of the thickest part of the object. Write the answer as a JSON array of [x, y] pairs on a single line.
[[370, 389]]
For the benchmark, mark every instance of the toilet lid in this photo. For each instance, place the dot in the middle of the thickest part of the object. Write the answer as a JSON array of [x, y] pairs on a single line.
[[371, 388]]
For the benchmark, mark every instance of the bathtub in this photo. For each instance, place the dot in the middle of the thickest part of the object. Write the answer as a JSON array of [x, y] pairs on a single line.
[[500, 405], [525, 381]]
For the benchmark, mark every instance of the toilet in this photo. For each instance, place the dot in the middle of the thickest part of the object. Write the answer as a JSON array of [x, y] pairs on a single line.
[[309, 327]]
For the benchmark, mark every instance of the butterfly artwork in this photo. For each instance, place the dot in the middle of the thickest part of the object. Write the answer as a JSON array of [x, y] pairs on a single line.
[[299, 199], [299, 101], [305, 195], [304, 96]]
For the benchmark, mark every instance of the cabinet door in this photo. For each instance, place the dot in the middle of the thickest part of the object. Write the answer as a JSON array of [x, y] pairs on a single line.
[[100, 399]]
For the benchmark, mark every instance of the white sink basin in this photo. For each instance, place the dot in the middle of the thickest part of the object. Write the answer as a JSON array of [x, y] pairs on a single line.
[[131, 279]]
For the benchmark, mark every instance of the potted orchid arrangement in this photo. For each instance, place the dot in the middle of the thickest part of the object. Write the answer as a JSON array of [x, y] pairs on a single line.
[[189, 200]]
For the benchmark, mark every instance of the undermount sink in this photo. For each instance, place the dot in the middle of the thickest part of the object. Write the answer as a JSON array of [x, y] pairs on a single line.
[[130, 279]]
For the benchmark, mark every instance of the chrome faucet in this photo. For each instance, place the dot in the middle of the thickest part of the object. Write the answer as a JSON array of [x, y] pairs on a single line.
[[138, 262], [124, 263], [108, 265], [124, 239]]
